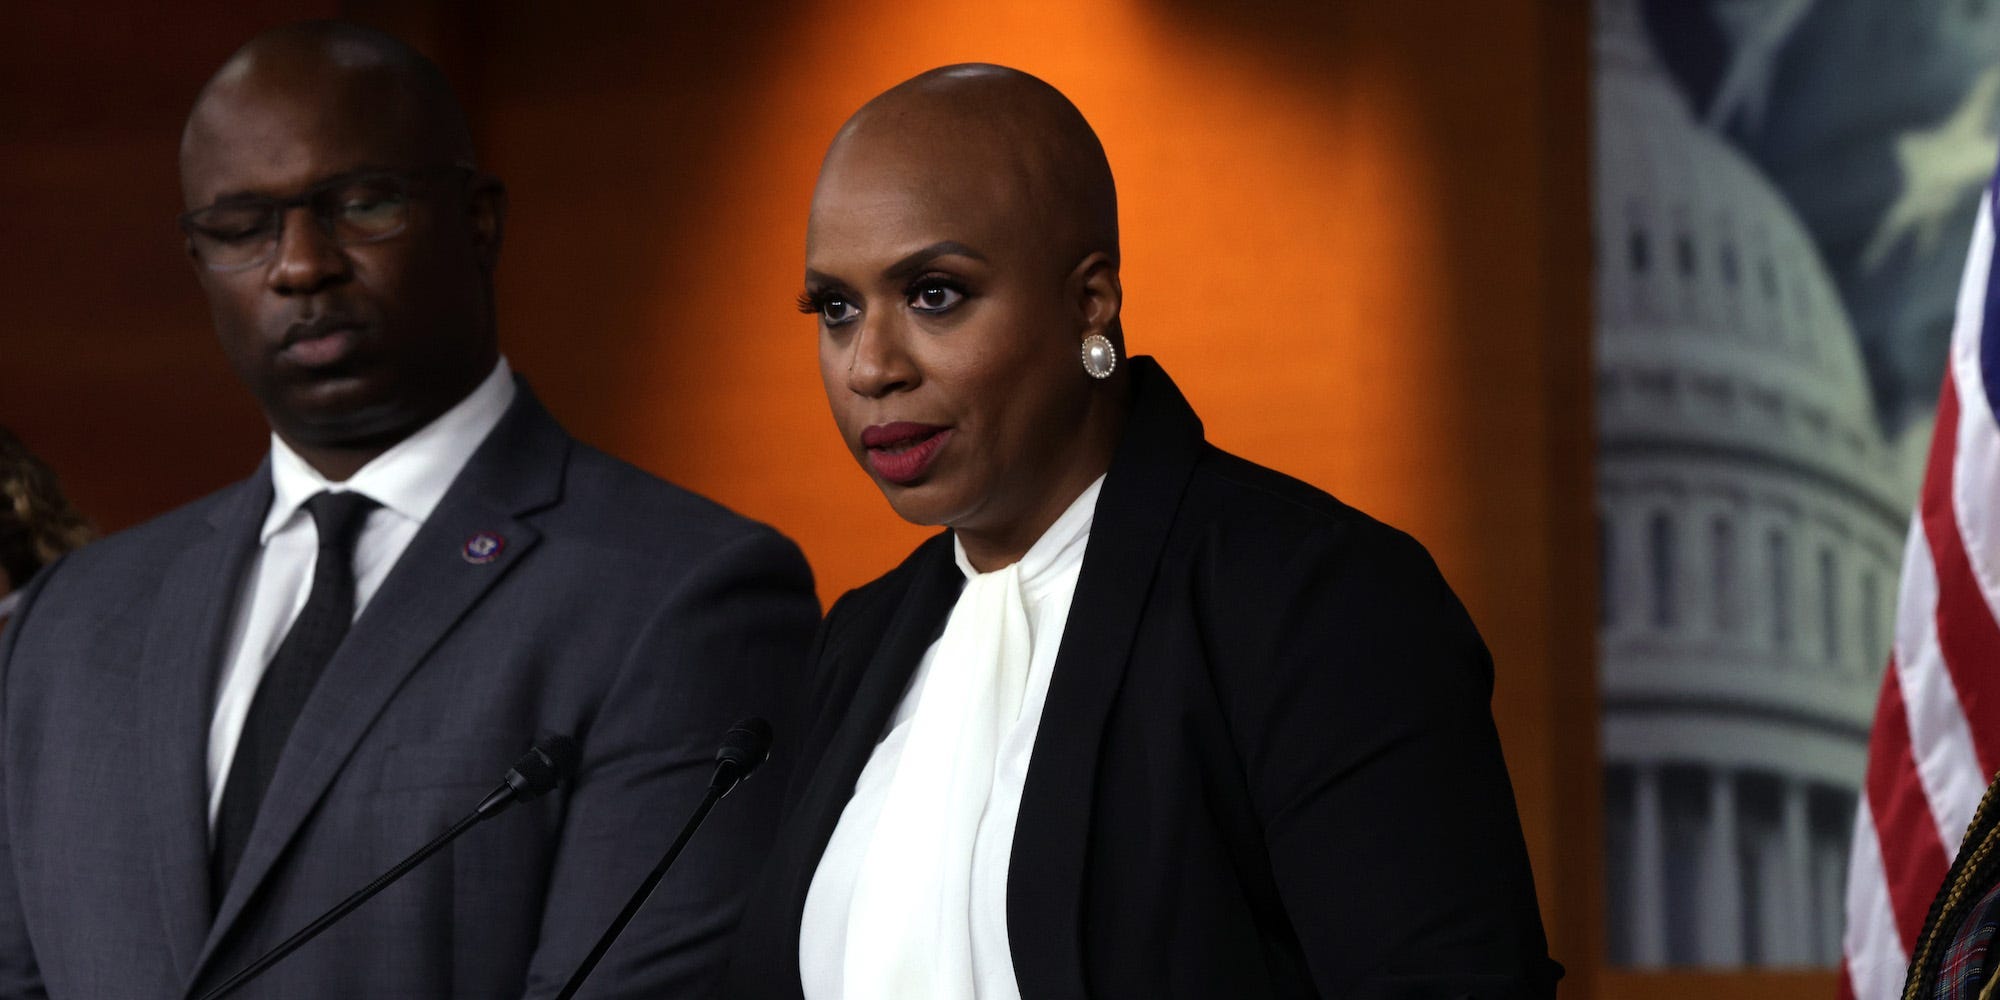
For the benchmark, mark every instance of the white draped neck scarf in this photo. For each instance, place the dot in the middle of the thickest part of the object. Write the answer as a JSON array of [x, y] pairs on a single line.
[[921, 850]]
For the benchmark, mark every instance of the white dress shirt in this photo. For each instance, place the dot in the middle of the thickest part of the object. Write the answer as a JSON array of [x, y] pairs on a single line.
[[407, 481], [1048, 583]]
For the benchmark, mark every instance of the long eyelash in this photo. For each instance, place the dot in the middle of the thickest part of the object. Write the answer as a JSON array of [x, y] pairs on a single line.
[[811, 301], [923, 281]]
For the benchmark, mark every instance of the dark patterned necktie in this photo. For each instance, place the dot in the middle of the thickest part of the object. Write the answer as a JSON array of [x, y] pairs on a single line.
[[314, 636]]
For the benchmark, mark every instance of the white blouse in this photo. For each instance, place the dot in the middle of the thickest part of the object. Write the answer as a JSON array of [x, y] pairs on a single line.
[[915, 930]]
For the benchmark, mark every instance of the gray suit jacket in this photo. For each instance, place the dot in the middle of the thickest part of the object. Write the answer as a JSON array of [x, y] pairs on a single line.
[[635, 617]]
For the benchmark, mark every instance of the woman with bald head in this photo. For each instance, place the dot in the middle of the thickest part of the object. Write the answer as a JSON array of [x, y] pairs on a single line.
[[1146, 720]]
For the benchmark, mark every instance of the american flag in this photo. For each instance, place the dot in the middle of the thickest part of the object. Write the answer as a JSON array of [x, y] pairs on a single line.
[[1936, 736]]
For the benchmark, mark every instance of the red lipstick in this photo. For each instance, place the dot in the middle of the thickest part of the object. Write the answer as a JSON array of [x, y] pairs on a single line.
[[903, 451]]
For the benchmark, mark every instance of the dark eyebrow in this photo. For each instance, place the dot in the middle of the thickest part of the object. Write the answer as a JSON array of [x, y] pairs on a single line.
[[332, 180], [910, 265], [817, 281], [238, 198], [900, 270]]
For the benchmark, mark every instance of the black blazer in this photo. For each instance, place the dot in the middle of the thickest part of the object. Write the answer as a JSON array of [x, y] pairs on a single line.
[[1266, 766]]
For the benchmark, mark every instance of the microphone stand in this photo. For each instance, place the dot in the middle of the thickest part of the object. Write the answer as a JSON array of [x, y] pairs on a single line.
[[547, 764], [643, 893], [367, 892], [744, 747]]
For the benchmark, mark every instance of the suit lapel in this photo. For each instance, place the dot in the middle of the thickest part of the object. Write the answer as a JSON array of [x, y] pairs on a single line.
[[1128, 536], [882, 651], [518, 469], [183, 653]]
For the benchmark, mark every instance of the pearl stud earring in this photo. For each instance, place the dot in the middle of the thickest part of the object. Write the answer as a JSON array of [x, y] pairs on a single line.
[[1100, 358]]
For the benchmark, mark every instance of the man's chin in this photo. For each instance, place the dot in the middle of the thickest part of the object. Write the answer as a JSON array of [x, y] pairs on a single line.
[[347, 421]]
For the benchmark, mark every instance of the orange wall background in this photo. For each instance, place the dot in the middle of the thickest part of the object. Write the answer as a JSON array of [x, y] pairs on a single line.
[[1355, 232]]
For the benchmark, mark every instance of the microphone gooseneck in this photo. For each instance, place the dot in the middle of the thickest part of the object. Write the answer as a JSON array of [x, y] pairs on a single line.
[[547, 764], [744, 747]]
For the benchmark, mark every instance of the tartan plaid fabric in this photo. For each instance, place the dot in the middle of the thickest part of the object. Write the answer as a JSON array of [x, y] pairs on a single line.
[[1967, 964]]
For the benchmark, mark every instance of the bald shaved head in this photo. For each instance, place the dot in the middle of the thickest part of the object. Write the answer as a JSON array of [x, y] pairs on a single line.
[[961, 254], [341, 63], [1024, 140]]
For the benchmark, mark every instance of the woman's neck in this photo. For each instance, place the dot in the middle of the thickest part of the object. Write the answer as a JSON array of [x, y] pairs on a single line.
[[998, 545]]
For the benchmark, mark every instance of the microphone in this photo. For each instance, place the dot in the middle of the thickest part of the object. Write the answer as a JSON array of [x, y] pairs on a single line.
[[744, 747], [546, 764]]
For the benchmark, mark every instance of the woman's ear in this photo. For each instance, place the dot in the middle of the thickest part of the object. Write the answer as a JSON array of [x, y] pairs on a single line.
[[1097, 296]]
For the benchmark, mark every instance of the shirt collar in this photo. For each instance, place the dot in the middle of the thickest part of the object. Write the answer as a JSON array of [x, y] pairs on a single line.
[[7, 603], [411, 477], [1059, 548]]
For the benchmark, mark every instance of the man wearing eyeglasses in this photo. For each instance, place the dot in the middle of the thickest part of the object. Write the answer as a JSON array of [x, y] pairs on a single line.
[[215, 726]]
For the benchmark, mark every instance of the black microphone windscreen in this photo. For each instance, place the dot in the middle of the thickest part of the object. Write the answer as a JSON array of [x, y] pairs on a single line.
[[546, 764], [746, 745]]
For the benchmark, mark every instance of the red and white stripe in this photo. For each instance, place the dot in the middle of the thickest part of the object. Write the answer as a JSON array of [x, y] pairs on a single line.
[[1936, 738]]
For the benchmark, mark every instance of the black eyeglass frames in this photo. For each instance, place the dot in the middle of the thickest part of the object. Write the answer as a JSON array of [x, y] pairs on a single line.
[[239, 233]]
